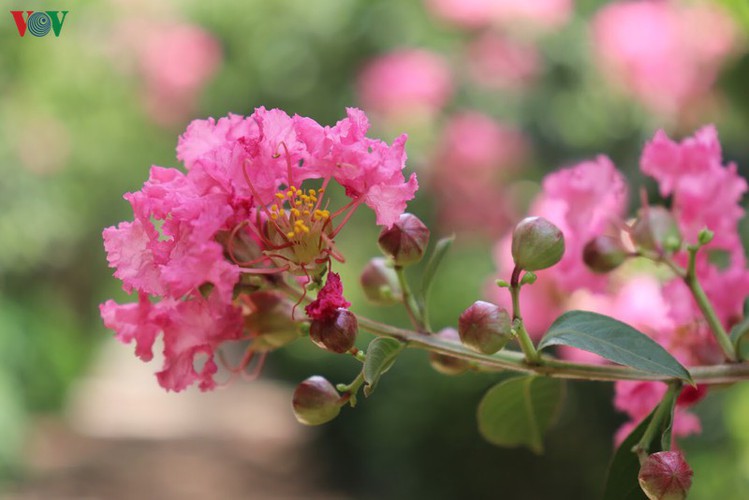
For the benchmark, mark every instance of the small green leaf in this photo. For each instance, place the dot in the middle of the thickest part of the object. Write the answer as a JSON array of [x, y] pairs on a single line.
[[438, 254], [381, 355], [518, 411], [621, 482], [738, 332], [613, 340]]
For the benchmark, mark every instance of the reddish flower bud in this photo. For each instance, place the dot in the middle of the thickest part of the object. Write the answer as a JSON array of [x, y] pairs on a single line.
[[268, 320], [604, 253], [485, 327], [448, 365], [336, 333], [316, 401], [665, 475], [406, 241], [380, 283], [536, 244], [655, 229]]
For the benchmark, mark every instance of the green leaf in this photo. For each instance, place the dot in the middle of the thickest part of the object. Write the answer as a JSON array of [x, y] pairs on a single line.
[[738, 332], [381, 355], [518, 411], [613, 340], [621, 482], [438, 254]]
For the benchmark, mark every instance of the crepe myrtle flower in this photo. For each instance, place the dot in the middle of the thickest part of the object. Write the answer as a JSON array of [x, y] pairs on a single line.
[[242, 218]]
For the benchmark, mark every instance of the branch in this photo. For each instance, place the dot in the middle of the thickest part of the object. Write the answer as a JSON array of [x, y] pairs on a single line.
[[551, 367]]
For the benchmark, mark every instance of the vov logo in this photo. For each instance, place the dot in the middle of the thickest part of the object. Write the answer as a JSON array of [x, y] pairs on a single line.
[[39, 23]]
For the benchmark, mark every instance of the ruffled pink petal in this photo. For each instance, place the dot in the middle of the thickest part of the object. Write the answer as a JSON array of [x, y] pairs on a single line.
[[329, 299]]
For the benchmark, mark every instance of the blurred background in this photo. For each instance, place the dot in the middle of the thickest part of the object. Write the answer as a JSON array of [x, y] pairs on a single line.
[[493, 94]]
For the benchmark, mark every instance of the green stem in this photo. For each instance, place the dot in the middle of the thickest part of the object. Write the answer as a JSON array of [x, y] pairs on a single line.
[[551, 367], [351, 389], [409, 302], [706, 307], [526, 344], [664, 409]]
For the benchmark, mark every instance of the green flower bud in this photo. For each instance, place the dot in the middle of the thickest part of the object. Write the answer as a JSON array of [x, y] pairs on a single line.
[[448, 365], [269, 322], [337, 333], [665, 475], [380, 283], [705, 236], [604, 253], [485, 327], [536, 244], [316, 401], [655, 230], [406, 241]]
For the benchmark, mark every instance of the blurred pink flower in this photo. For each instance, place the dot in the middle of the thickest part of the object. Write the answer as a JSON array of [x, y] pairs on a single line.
[[637, 399], [175, 61], [470, 167], [704, 193], [498, 62], [665, 54], [405, 82], [509, 13], [533, 13], [477, 143]]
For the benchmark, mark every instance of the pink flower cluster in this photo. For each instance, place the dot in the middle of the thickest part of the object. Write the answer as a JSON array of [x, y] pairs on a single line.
[[664, 53], [239, 209], [590, 199], [499, 62], [475, 157], [174, 61], [404, 83], [481, 13]]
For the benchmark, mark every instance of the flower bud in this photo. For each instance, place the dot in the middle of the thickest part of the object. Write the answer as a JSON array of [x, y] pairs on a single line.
[[380, 283], [268, 320], [485, 327], [406, 241], [655, 229], [316, 401], [448, 365], [604, 253], [337, 333], [536, 244], [665, 475]]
